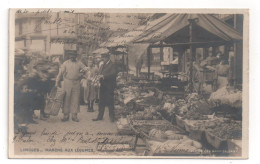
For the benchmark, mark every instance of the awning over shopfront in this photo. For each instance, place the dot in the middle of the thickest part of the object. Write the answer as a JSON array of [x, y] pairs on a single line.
[[174, 28]]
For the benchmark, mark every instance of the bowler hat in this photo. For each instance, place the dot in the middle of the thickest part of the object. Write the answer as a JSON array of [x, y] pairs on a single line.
[[105, 55]]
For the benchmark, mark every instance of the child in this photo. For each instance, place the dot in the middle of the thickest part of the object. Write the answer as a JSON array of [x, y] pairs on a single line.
[[23, 111]]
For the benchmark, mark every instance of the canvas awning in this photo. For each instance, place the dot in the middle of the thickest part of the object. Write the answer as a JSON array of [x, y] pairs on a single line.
[[129, 37], [174, 28]]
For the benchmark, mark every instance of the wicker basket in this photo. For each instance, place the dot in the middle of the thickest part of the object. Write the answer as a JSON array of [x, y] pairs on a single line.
[[234, 147], [144, 128], [54, 101], [172, 153], [215, 141]]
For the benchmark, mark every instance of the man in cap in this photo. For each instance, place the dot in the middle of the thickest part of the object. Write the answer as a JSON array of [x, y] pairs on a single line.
[[71, 72], [108, 75]]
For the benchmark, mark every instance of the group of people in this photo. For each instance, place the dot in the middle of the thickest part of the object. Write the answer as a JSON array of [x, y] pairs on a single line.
[[30, 89], [98, 83]]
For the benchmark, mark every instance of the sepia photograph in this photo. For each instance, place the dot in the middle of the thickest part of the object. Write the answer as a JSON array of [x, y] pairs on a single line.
[[140, 83]]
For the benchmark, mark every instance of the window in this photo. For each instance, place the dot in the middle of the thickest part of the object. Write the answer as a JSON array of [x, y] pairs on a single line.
[[38, 27]]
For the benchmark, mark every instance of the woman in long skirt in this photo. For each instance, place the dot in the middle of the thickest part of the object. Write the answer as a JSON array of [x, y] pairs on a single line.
[[90, 86]]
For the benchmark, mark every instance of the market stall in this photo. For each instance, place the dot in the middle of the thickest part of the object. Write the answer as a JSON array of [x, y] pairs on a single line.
[[150, 115], [188, 31], [169, 123]]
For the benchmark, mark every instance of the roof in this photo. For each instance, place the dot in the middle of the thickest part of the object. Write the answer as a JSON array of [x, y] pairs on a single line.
[[174, 28]]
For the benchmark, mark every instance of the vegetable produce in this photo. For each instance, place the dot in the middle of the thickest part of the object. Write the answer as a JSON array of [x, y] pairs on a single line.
[[158, 134], [229, 129], [175, 146], [228, 96]]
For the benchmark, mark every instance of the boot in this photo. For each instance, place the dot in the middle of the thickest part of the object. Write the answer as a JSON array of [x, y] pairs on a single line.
[[34, 116], [46, 115], [65, 118], [33, 122], [42, 117], [89, 106], [96, 119], [75, 117]]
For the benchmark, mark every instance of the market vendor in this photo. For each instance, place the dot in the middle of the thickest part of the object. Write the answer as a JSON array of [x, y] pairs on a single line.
[[108, 75], [231, 61], [138, 65], [71, 73]]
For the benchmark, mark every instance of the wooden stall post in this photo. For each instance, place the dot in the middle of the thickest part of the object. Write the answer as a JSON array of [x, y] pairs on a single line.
[[190, 86], [205, 52], [127, 64], [161, 51], [148, 61]]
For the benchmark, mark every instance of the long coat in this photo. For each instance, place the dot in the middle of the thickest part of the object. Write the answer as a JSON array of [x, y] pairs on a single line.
[[108, 83]]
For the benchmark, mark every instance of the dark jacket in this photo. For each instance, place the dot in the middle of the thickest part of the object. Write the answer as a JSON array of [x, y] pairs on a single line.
[[109, 72]]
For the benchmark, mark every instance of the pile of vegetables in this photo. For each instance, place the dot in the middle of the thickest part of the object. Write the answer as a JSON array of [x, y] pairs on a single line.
[[169, 134], [229, 129], [147, 114], [171, 105], [204, 124], [126, 94], [227, 96], [185, 145], [193, 114], [123, 126]]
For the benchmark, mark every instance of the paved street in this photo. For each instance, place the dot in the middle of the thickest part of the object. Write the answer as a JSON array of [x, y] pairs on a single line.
[[81, 137]]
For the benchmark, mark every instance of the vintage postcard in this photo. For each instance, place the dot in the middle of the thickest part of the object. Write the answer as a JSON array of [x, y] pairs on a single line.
[[128, 83]]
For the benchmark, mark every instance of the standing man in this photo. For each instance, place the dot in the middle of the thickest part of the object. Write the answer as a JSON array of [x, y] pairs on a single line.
[[108, 75], [71, 72]]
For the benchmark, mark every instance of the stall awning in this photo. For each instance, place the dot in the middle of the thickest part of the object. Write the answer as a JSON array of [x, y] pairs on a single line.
[[174, 28], [129, 37]]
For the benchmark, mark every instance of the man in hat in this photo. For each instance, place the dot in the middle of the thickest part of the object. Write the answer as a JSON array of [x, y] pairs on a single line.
[[108, 75], [71, 72]]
